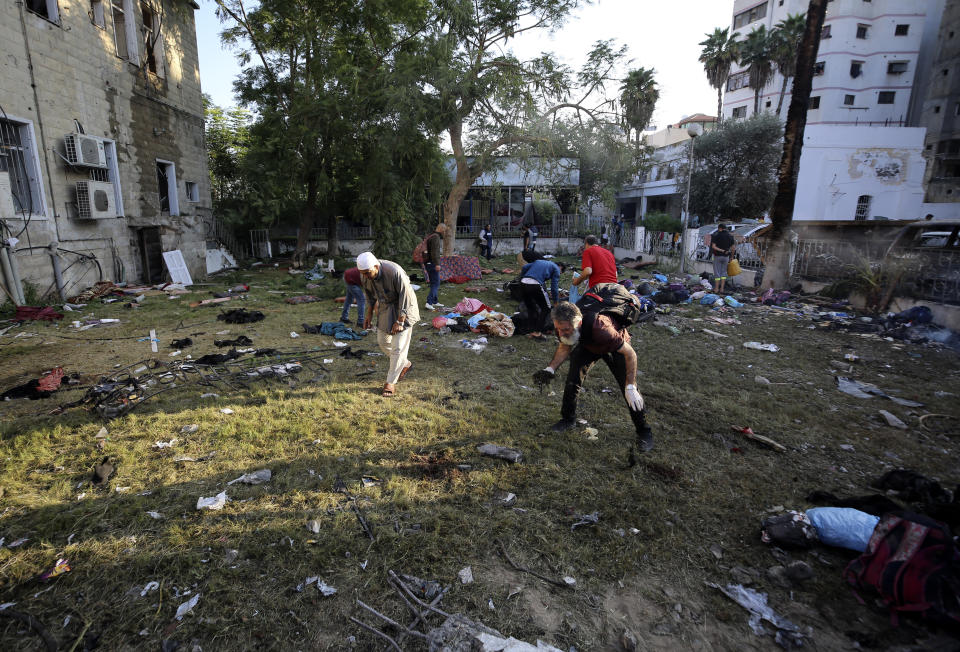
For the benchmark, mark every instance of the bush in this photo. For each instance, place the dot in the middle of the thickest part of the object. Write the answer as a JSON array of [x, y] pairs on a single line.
[[661, 222], [545, 210]]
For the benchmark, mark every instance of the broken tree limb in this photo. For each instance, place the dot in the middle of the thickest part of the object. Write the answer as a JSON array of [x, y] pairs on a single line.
[[524, 569], [936, 416], [34, 624], [390, 621], [363, 522], [750, 434], [376, 631]]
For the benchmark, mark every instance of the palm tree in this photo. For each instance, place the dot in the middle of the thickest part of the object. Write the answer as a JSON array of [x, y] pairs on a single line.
[[756, 54], [638, 96], [787, 37], [720, 51]]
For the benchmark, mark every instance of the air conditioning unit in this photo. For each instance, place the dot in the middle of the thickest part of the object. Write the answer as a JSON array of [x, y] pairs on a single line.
[[7, 207], [95, 200], [86, 151]]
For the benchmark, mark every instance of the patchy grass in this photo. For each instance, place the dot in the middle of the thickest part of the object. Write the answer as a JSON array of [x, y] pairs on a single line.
[[642, 567]]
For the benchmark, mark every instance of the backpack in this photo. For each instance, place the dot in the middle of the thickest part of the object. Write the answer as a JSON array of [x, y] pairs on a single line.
[[612, 299], [912, 562], [421, 253]]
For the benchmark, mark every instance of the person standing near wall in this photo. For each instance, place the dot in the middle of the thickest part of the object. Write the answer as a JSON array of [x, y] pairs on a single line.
[[391, 298], [487, 236], [354, 283], [722, 246], [597, 264]]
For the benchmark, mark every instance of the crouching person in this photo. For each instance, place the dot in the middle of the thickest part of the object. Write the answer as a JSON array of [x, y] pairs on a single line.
[[584, 338]]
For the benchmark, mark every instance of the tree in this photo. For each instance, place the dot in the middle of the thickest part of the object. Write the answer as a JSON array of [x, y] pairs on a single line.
[[341, 130], [781, 215], [638, 97], [756, 53], [735, 169], [720, 50], [490, 103], [786, 39], [227, 136]]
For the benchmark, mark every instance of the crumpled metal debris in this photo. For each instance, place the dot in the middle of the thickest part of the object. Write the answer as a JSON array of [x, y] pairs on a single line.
[[586, 519]]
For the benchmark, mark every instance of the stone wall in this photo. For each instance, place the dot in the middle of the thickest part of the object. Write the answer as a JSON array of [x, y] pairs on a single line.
[[77, 78]]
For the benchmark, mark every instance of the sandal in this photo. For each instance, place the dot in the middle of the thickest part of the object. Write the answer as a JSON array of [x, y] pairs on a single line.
[[388, 390], [403, 372]]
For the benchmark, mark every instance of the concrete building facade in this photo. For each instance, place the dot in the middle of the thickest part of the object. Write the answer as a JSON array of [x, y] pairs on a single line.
[[101, 139]]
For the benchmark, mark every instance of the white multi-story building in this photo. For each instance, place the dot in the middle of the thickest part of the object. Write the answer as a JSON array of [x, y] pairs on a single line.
[[870, 55]]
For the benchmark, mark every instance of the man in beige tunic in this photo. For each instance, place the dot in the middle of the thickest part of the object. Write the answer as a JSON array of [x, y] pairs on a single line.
[[390, 296]]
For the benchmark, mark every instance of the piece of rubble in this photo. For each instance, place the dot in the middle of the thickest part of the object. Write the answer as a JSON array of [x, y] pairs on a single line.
[[214, 502], [892, 420], [257, 477], [189, 429], [466, 575], [502, 452]]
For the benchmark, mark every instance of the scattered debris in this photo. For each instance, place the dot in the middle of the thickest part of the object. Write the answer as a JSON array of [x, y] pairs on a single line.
[[502, 452], [187, 606], [860, 389], [190, 428], [586, 519], [773, 348], [466, 575], [240, 316], [214, 502], [892, 420], [257, 477], [788, 634], [750, 434], [165, 444], [103, 471]]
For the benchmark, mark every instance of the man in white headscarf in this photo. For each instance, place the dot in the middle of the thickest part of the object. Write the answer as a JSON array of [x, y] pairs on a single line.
[[390, 296]]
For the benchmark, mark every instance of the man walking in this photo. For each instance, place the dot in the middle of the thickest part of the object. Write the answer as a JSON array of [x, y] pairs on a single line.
[[584, 338], [533, 288], [353, 281], [390, 296], [486, 235], [723, 246], [597, 264], [431, 266]]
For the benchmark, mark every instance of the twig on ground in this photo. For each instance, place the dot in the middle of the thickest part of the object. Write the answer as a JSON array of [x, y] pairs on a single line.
[[83, 632], [524, 569], [35, 625], [936, 416], [419, 615], [376, 631], [363, 522], [390, 621]]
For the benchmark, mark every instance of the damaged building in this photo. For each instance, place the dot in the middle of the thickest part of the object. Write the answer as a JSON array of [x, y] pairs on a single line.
[[102, 158]]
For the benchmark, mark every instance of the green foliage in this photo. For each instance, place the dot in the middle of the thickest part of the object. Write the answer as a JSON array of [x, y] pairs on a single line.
[[661, 222], [720, 50], [638, 97], [756, 53], [735, 169], [228, 139], [546, 210]]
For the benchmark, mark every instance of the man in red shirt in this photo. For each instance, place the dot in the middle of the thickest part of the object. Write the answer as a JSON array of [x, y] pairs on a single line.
[[354, 294], [598, 264], [585, 338]]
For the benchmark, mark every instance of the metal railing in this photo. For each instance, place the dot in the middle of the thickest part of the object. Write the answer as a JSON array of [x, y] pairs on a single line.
[[344, 232]]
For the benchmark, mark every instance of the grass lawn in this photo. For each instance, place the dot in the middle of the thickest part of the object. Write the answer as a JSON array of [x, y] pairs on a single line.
[[687, 514]]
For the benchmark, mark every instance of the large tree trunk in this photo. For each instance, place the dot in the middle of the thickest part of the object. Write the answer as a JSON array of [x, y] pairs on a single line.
[[756, 101], [781, 214], [783, 91], [720, 103], [333, 235], [461, 185]]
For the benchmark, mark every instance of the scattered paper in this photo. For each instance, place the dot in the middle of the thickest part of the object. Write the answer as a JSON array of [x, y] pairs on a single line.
[[187, 606], [214, 502]]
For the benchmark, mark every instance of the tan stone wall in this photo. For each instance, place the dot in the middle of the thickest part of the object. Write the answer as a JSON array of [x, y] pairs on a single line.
[[79, 77]]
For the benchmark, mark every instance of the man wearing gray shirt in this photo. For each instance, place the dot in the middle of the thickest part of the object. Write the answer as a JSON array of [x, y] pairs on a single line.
[[389, 295]]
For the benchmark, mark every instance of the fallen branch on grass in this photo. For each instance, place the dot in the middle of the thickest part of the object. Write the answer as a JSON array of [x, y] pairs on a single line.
[[936, 416], [49, 641], [524, 569], [751, 435]]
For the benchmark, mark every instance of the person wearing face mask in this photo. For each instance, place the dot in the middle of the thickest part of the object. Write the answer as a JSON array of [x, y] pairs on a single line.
[[584, 338]]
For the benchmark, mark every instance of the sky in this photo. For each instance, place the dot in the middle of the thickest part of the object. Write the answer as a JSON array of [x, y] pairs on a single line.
[[661, 35]]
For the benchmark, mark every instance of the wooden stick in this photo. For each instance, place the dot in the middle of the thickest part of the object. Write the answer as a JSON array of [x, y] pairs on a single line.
[[376, 631], [83, 632], [363, 522], [390, 621], [939, 416], [750, 434], [524, 569]]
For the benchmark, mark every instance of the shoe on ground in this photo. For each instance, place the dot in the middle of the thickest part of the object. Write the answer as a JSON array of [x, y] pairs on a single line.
[[563, 425], [344, 321], [428, 306]]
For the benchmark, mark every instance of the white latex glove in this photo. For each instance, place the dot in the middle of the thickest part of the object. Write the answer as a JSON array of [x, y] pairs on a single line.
[[634, 400]]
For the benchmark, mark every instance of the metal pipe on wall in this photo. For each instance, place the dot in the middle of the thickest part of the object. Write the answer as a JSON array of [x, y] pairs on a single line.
[[16, 292], [57, 273]]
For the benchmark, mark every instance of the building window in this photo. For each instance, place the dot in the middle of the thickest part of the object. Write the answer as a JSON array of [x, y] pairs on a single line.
[[750, 15], [819, 67], [739, 112], [167, 187], [46, 9], [848, 100], [856, 68], [193, 191], [814, 103], [738, 80], [96, 13], [896, 67], [945, 72], [901, 30], [862, 30], [886, 97], [825, 32], [936, 109], [152, 39], [124, 30], [863, 207], [18, 159]]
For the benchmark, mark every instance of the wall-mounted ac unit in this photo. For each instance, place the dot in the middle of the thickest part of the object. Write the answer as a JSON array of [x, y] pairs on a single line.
[[95, 200], [86, 151], [7, 207]]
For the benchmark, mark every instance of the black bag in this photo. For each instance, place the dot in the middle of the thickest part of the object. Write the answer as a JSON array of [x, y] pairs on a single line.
[[612, 299]]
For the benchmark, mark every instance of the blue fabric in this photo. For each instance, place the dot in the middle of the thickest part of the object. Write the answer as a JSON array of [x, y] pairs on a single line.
[[708, 299], [660, 277], [843, 527], [574, 294], [338, 330], [433, 296], [354, 295], [540, 271]]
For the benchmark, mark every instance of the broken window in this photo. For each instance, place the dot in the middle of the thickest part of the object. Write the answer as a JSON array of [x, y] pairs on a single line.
[[856, 68], [96, 13], [18, 163], [152, 39], [45, 9], [124, 34], [896, 67], [819, 67]]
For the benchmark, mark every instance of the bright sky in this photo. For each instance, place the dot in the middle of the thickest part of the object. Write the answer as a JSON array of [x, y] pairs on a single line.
[[660, 35]]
